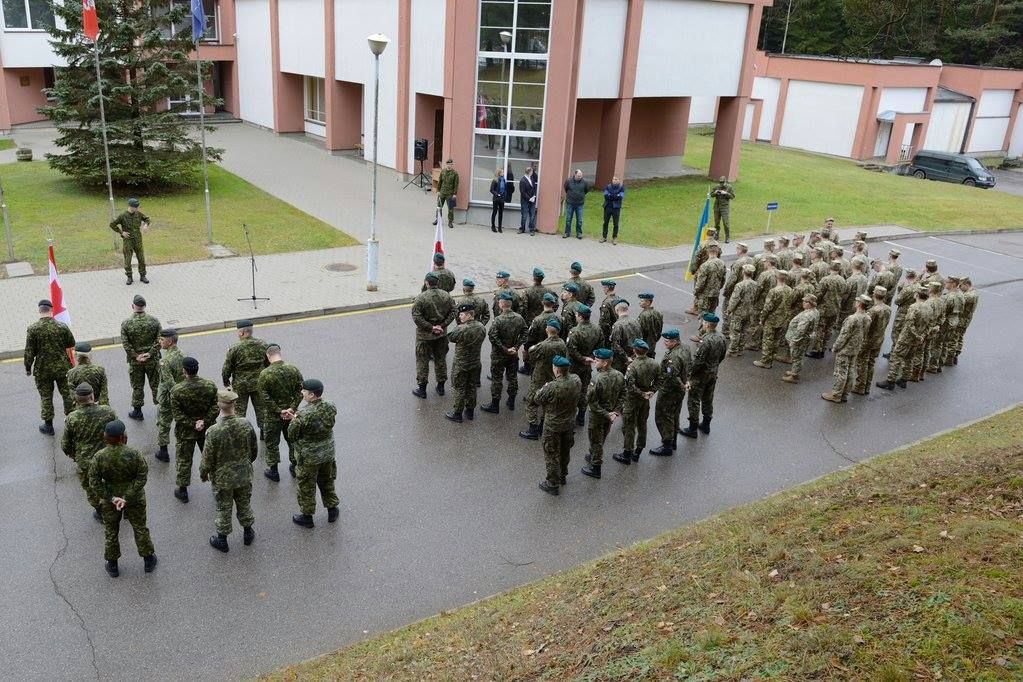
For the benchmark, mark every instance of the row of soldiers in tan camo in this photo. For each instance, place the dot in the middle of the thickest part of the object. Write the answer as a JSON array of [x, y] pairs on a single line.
[[559, 351], [113, 475]]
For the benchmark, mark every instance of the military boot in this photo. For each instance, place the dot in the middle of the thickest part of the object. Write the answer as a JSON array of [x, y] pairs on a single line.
[[453, 416], [666, 449], [332, 514], [690, 431], [761, 364], [526, 369], [420, 392], [136, 414], [149, 563], [886, 385], [549, 488], [440, 388], [901, 383], [580, 416], [112, 570], [303, 520], [705, 424], [531, 433], [143, 279], [591, 470], [623, 457], [493, 407], [272, 473], [97, 514], [791, 378], [46, 427], [129, 281], [248, 535], [510, 403], [181, 493], [291, 470], [470, 414], [636, 454], [162, 454], [219, 542], [831, 396]]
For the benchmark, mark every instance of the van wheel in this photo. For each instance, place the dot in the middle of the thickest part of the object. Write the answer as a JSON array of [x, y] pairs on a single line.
[[970, 182], [919, 174]]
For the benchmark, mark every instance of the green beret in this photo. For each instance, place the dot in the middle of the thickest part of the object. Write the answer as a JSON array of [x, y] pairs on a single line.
[[576, 267], [190, 364], [571, 286], [468, 283], [640, 343], [243, 324], [502, 274], [620, 301], [432, 277], [584, 310], [226, 396], [538, 273], [114, 429], [554, 322], [603, 354], [83, 389], [273, 348], [561, 361], [314, 385], [608, 283], [83, 347], [133, 202], [670, 334], [169, 333], [505, 296], [646, 295], [466, 307], [438, 258], [711, 317], [45, 303], [139, 301], [550, 298]]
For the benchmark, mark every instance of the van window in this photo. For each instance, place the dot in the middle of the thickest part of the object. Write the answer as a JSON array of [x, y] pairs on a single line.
[[976, 165]]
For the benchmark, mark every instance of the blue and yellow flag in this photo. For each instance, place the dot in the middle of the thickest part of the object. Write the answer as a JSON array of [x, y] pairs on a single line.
[[704, 219]]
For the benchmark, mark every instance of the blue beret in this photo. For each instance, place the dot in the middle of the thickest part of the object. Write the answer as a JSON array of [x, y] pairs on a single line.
[[561, 361], [438, 258], [711, 317], [569, 286], [640, 343], [114, 429], [584, 310], [505, 296], [554, 322], [621, 300], [314, 385], [608, 283], [468, 283], [670, 334], [502, 274], [576, 267], [550, 298], [133, 202], [83, 347], [432, 277], [603, 354], [537, 272], [647, 295]]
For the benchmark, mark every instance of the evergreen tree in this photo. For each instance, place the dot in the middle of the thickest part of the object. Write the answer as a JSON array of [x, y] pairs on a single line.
[[142, 66]]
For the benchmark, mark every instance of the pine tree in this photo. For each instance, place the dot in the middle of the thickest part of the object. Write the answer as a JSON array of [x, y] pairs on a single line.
[[143, 66]]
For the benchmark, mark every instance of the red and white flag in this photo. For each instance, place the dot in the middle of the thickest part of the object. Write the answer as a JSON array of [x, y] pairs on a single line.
[[438, 238], [60, 311], [90, 23]]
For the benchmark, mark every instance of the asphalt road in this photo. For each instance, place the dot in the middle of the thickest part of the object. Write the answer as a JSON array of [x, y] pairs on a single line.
[[433, 515], [1010, 181]]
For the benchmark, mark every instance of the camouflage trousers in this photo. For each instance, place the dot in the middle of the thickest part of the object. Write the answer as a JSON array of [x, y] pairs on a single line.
[[769, 342], [866, 362], [585, 375], [934, 345], [435, 350], [46, 386], [845, 374], [921, 355], [82, 469], [797, 351], [900, 319], [164, 416], [184, 448], [229, 499], [557, 451], [273, 428], [442, 199], [598, 429], [130, 247], [532, 407], [463, 383], [503, 369], [701, 397], [313, 476], [707, 304], [138, 372], [755, 331], [825, 326], [634, 419], [900, 364], [246, 390], [947, 344], [738, 330], [134, 513], [667, 413], [722, 214], [960, 334]]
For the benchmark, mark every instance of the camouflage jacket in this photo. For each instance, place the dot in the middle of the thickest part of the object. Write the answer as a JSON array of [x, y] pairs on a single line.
[[537, 331], [701, 255], [244, 361], [568, 316], [651, 324], [954, 304], [83, 431], [623, 333], [231, 448], [541, 355], [675, 366], [446, 280], [193, 399], [831, 294], [516, 302], [131, 223], [879, 314], [744, 296], [916, 324], [886, 279], [507, 331], [532, 301], [708, 356], [479, 305], [118, 471], [432, 307], [798, 293], [767, 280], [46, 348], [606, 394], [312, 433], [447, 185], [803, 326], [709, 278], [280, 387], [937, 310], [970, 300], [468, 339], [585, 294], [850, 336], [140, 333], [777, 306], [820, 269], [644, 374], [582, 341], [92, 374], [904, 299], [734, 275], [607, 315], [559, 398], [171, 372]]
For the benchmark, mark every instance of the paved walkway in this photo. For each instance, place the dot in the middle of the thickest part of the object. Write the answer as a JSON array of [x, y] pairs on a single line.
[[335, 189]]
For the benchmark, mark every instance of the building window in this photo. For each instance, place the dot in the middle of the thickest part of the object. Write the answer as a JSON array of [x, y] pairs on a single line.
[[315, 100], [29, 14], [511, 85], [174, 28]]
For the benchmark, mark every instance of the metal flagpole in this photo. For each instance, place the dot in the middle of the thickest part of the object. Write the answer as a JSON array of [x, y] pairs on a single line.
[[7, 225], [202, 133], [103, 129]]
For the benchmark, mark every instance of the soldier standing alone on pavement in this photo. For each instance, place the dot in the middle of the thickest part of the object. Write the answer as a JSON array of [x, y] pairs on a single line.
[[140, 335], [606, 401], [85, 370], [446, 278], [311, 429], [651, 322], [130, 225], [244, 361], [46, 359], [468, 338], [117, 477], [723, 194], [558, 398], [171, 374], [432, 312], [280, 387], [194, 408], [447, 188], [83, 437], [703, 377], [642, 380], [582, 341], [231, 448], [675, 366], [506, 336], [542, 354]]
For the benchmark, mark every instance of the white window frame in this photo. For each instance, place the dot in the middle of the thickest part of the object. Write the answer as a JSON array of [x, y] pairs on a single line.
[[28, 21], [212, 21], [320, 85]]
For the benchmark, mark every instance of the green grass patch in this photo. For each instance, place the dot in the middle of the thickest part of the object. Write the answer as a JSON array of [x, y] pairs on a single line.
[[41, 201], [831, 580], [809, 188], [6, 143]]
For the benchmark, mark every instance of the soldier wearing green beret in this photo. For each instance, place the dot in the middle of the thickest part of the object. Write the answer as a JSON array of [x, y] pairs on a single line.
[[651, 322], [606, 401], [506, 335], [502, 286], [558, 398], [432, 311], [607, 309], [140, 335], [171, 374], [194, 408], [447, 188], [533, 295], [703, 377], [642, 380], [468, 338], [83, 437], [570, 302], [46, 359], [671, 394], [280, 388], [231, 448], [88, 371], [542, 355], [445, 278], [585, 293], [480, 305], [130, 225], [242, 365], [537, 330], [624, 331], [582, 341], [311, 430]]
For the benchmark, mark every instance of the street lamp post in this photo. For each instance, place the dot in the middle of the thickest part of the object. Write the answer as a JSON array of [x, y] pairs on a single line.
[[506, 38], [377, 44]]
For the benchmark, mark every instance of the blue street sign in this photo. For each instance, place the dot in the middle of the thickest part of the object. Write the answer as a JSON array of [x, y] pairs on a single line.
[[773, 206]]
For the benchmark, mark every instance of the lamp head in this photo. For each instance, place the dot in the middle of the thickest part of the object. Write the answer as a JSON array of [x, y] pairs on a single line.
[[506, 37], [377, 43]]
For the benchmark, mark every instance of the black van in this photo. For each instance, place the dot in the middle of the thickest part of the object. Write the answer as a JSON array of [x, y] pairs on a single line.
[[958, 168]]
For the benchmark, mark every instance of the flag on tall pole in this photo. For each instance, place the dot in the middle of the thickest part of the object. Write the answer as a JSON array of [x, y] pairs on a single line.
[[90, 23], [438, 238], [90, 27], [198, 32], [704, 219]]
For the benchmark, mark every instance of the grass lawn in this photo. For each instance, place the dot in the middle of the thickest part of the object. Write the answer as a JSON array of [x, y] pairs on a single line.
[[39, 198], [904, 568], [809, 188], [6, 143]]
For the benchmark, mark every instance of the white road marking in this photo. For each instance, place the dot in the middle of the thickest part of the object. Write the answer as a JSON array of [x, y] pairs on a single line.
[[689, 293], [979, 248], [954, 260]]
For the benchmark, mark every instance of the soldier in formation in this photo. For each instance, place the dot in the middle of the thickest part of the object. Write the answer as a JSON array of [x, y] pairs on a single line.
[[478, 303], [194, 409], [230, 449], [432, 312], [46, 360], [171, 374], [542, 354], [89, 372], [140, 335], [703, 377], [445, 278], [240, 373], [585, 294], [651, 322], [558, 399], [605, 402], [873, 338], [280, 389], [468, 337], [623, 332], [311, 430], [83, 438], [675, 365], [582, 341], [507, 333], [642, 380], [799, 335]]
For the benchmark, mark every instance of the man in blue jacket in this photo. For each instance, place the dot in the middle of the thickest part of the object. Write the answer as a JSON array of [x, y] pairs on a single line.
[[614, 193], [527, 201]]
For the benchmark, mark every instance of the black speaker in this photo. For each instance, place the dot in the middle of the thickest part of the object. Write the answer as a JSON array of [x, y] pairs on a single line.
[[421, 146]]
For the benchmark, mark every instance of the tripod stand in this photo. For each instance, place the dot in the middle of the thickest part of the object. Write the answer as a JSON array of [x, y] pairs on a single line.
[[252, 259], [422, 180]]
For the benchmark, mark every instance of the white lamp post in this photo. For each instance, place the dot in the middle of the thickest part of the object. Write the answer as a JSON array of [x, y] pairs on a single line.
[[377, 45]]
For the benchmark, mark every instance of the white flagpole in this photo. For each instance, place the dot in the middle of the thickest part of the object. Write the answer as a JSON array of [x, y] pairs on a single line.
[[103, 129], [202, 134]]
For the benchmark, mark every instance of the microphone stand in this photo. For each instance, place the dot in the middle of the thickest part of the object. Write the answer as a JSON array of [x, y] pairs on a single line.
[[252, 259]]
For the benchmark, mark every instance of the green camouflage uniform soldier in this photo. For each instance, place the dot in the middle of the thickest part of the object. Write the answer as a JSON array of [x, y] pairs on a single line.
[[651, 322], [702, 255], [585, 295], [468, 338], [970, 300], [194, 408], [930, 322], [558, 398], [502, 286], [818, 266], [536, 332], [87, 371], [506, 337], [569, 304], [799, 335], [130, 225], [607, 310], [703, 377], [542, 354], [83, 437], [846, 347], [774, 319], [884, 278], [931, 273], [784, 253], [760, 260], [532, 297], [46, 359], [117, 477], [312, 432], [280, 388], [893, 267], [873, 339], [582, 341], [606, 401], [447, 188], [140, 335], [932, 363], [642, 379], [905, 298], [830, 294], [734, 276], [672, 392], [231, 448], [478, 303], [909, 343], [723, 194], [740, 310], [432, 312], [242, 365], [623, 333], [805, 287], [171, 375], [445, 278], [767, 280], [954, 304]]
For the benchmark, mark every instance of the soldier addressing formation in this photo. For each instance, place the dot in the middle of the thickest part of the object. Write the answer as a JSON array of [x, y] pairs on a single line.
[[130, 225]]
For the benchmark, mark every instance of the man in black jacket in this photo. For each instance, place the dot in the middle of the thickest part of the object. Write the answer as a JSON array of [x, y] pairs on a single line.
[[576, 188], [527, 201]]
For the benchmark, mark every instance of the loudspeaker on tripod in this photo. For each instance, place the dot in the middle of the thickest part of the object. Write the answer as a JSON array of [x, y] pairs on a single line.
[[421, 148]]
